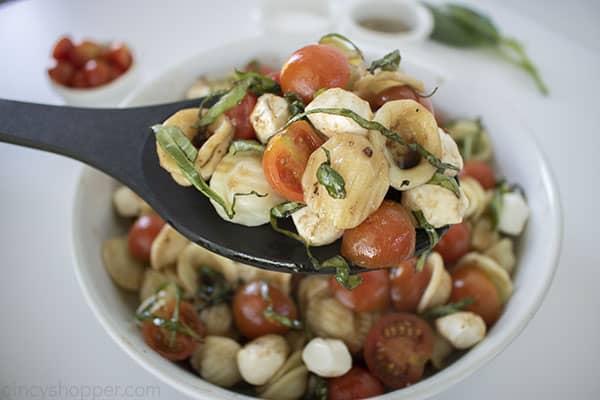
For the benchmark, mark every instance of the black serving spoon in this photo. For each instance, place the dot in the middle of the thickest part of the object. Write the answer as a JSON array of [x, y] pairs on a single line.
[[120, 143]]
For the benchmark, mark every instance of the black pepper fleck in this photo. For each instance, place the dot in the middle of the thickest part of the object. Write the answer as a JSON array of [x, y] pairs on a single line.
[[368, 151]]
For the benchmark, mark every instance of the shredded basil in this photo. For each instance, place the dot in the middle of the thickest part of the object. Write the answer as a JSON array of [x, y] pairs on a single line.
[[285, 210], [295, 104], [213, 288], [330, 178], [245, 145], [496, 204], [272, 315], [320, 389], [447, 309], [342, 272], [447, 182], [431, 234], [389, 62], [354, 54]]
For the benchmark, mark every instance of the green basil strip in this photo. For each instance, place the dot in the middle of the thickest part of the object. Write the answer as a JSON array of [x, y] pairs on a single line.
[[172, 327], [389, 62], [374, 125], [342, 272], [295, 104], [479, 24], [226, 102], [331, 179], [175, 316], [431, 234], [422, 260], [450, 31], [355, 55], [447, 309], [497, 203], [447, 182], [213, 288], [270, 314], [245, 145], [320, 389], [524, 62], [259, 83], [285, 210]]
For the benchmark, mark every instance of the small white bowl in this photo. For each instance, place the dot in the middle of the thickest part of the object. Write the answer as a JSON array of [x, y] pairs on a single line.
[[518, 157], [107, 95]]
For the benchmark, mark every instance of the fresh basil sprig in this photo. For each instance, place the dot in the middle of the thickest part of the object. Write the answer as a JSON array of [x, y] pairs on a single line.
[[272, 315], [445, 181], [389, 62], [447, 309], [245, 145], [330, 178], [432, 235], [342, 272], [295, 104], [459, 26]]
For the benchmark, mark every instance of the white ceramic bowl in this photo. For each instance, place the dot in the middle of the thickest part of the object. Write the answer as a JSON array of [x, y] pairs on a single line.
[[518, 157]]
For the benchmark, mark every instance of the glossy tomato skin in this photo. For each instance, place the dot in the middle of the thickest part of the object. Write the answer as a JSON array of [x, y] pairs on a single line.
[[62, 49], [455, 243], [407, 285], [355, 384], [373, 294], [84, 52], [397, 348], [79, 80], [120, 56], [249, 306], [315, 67], [385, 239], [184, 345], [141, 235], [97, 72], [240, 117], [399, 93], [474, 283], [62, 72], [481, 171], [285, 158]]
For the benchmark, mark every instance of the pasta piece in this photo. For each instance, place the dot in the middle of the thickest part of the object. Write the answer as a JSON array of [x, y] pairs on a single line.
[[216, 361], [484, 235], [126, 202], [496, 273], [124, 270], [363, 322], [441, 350], [290, 386], [317, 231], [293, 361], [415, 124], [154, 280], [296, 339], [248, 273], [503, 253], [312, 287], [462, 329], [476, 196], [365, 172], [450, 153], [328, 318], [218, 319], [371, 84], [439, 287], [166, 247], [439, 205], [268, 116], [331, 125], [481, 145], [192, 257], [242, 173]]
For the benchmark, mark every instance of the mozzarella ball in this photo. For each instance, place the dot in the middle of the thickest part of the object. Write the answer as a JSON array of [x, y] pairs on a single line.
[[260, 359], [316, 230], [462, 329], [439, 205], [327, 357], [514, 215], [331, 125], [269, 115]]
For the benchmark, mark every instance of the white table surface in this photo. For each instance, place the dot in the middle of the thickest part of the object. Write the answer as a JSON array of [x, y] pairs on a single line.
[[48, 336]]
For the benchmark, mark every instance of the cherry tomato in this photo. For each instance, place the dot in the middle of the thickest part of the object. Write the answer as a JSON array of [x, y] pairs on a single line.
[[314, 67], [385, 239], [397, 348], [84, 52], [142, 234], [472, 282], [120, 56], [62, 73], [249, 306], [159, 338], [62, 49], [399, 93], [240, 117], [455, 243], [275, 75], [355, 384], [373, 294], [407, 285], [285, 158], [97, 72], [79, 80], [481, 171]]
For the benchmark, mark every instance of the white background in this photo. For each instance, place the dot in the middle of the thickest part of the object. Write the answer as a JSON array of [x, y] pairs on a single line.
[[48, 335]]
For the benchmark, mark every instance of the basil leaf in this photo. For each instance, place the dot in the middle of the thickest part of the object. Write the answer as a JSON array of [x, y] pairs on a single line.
[[226, 102], [476, 22], [523, 61], [285, 210], [175, 316], [447, 182], [389, 62], [331, 179], [447, 309], [355, 55], [180, 140], [270, 314], [342, 272], [496, 204], [420, 264], [213, 288], [295, 104], [245, 145], [259, 83], [432, 235]]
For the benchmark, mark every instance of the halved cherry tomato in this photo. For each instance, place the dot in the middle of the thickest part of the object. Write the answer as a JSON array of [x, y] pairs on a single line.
[[355, 384], [407, 285], [399, 93], [79, 80], [62, 48], [285, 158], [455, 243], [97, 72], [373, 294], [62, 73], [315, 67], [83, 52], [472, 282], [249, 306], [385, 239], [397, 348], [480, 170], [141, 235], [159, 338], [120, 56], [240, 117]]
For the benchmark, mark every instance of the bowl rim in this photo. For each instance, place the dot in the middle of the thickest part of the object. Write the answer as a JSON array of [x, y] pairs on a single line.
[[430, 386]]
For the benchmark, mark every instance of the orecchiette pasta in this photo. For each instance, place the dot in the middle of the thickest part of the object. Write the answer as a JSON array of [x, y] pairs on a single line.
[[366, 180], [126, 202], [439, 205], [296, 339], [153, 280], [289, 383], [363, 322], [326, 317], [269, 115], [242, 173], [496, 273], [450, 152], [484, 234], [125, 271], [312, 288], [248, 274], [314, 229], [218, 319], [369, 84], [441, 350], [481, 145], [166, 247], [440, 284], [503, 253], [476, 196], [216, 361]]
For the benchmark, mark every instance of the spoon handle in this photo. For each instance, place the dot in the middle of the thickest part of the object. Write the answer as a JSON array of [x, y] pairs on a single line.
[[111, 140]]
